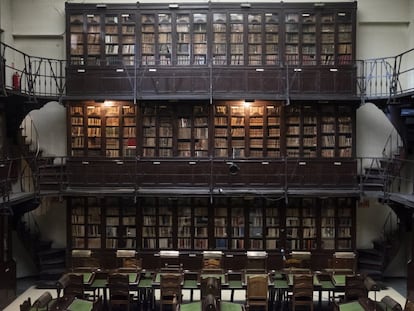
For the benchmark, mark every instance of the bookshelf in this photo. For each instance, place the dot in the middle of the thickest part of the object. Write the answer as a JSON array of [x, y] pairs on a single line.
[[327, 131], [236, 45], [272, 45], [199, 33], [93, 39], [237, 224], [345, 37], [76, 40], [292, 39], [221, 221], [256, 130], [164, 39], [273, 216], [328, 223], [273, 112], [185, 225], [219, 49], [256, 226], [201, 223], [345, 131], [255, 39], [308, 39], [327, 37], [227, 223], [148, 39], [309, 132], [102, 130], [292, 131], [183, 38]]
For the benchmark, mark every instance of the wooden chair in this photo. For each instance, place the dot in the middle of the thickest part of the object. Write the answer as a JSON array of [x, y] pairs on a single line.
[[74, 286], [119, 294], [302, 291], [212, 261], [355, 288], [210, 286], [26, 305], [42, 303], [257, 292], [170, 290], [127, 260], [409, 305], [344, 262]]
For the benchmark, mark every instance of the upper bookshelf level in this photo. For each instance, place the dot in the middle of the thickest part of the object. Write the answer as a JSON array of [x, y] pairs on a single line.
[[204, 50]]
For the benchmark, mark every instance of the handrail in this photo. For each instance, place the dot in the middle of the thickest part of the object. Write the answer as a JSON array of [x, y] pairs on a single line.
[[377, 78]]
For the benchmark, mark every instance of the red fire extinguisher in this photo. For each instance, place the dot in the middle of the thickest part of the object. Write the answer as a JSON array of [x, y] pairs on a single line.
[[16, 81]]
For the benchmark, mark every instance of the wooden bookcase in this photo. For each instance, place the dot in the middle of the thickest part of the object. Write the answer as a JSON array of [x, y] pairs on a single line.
[[102, 129], [231, 129], [227, 223], [147, 40]]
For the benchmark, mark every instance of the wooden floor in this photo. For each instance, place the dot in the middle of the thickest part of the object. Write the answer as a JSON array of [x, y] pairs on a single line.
[[394, 288]]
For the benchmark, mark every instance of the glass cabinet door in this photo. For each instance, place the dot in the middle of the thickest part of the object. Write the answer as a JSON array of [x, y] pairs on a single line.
[[93, 39], [148, 39], [254, 39], [237, 39], [219, 39], [199, 39], [183, 38], [77, 44], [164, 39]]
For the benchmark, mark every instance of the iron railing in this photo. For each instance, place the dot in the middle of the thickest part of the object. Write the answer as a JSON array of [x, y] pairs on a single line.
[[380, 78]]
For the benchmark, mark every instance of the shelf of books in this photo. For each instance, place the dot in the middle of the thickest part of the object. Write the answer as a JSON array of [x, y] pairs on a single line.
[[273, 130], [94, 130], [77, 45], [219, 39], [201, 228], [345, 37], [199, 39], [256, 130], [129, 129], [112, 131], [256, 225], [237, 224], [328, 223], [78, 222], [112, 40], [309, 225], [308, 39], [237, 40], [327, 39], [94, 224], [148, 39], [183, 38], [149, 130], [77, 118], [293, 225], [221, 131], [201, 144], [310, 132], [238, 130], [272, 48], [273, 224], [292, 39], [165, 132], [328, 131], [293, 130], [164, 39], [129, 224], [149, 223], [165, 224], [220, 225], [254, 39], [113, 229], [128, 39], [345, 130], [93, 39], [184, 134], [345, 221], [184, 224]]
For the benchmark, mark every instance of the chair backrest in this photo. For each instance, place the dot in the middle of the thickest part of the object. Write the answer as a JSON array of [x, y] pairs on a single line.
[[344, 261], [26, 305], [210, 303], [43, 301], [355, 287], [257, 287], [118, 285], [75, 287], [171, 285], [210, 286], [303, 286]]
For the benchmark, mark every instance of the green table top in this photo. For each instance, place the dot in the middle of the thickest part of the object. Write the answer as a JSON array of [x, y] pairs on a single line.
[[351, 306], [338, 279], [224, 306], [190, 284], [80, 305]]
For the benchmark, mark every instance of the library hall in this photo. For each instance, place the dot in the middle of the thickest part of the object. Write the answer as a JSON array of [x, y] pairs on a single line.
[[207, 155]]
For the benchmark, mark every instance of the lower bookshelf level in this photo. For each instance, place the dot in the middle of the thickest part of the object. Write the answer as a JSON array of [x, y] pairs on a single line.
[[222, 223]]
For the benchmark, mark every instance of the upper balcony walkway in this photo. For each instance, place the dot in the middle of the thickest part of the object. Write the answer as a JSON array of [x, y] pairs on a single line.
[[384, 80]]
